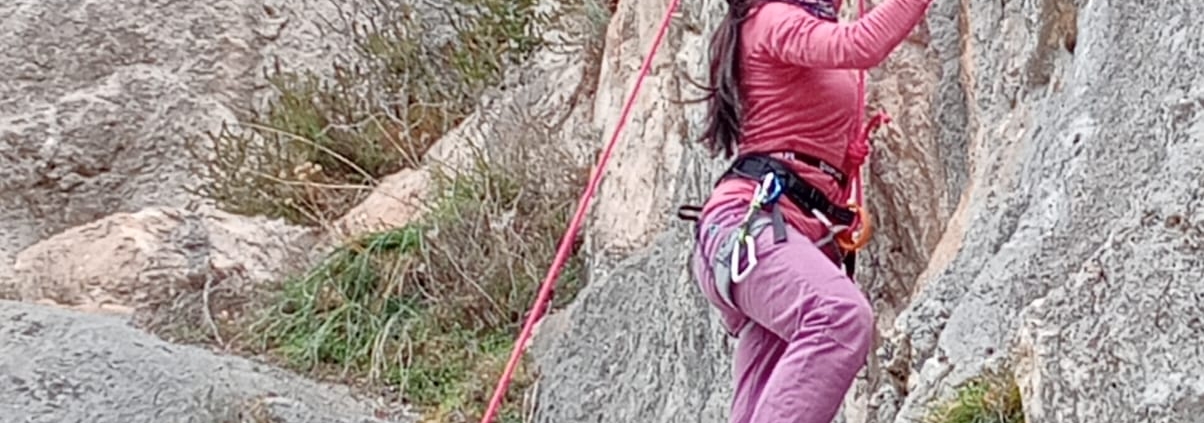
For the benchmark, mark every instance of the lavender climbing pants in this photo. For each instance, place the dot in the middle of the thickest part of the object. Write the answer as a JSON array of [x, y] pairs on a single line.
[[804, 327]]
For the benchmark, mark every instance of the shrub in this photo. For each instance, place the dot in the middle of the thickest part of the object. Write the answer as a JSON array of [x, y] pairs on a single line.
[[433, 307], [993, 397], [321, 144]]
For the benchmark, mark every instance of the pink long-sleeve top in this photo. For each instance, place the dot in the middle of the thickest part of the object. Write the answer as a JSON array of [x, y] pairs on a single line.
[[799, 90]]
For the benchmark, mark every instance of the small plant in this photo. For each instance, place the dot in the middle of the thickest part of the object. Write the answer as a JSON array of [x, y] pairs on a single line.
[[993, 397]]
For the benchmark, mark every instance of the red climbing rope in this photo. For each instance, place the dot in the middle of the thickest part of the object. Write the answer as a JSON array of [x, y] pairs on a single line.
[[570, 235], [859, 153]]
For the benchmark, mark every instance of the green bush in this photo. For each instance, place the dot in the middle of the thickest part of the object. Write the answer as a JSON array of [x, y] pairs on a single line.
[[431, 308]]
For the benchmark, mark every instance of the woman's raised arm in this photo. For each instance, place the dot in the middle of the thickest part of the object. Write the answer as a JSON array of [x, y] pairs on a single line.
[[793, 36]]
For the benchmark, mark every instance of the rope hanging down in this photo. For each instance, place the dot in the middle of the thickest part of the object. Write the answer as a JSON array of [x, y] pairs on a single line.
[[859, 152], [570, 235]]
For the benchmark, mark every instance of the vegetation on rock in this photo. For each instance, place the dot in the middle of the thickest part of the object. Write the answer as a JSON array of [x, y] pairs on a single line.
[[992, 397], [321, 144], [433, 307], [430, 310]]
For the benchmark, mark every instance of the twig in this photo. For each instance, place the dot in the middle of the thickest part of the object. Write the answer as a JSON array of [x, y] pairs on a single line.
[[208, 313], [304, 140]]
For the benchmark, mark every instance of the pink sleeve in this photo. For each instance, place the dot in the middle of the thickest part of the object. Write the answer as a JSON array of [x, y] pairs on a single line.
[[796, 37]]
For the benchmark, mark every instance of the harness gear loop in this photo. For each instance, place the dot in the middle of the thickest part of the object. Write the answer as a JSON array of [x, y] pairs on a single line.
[[833, 229]]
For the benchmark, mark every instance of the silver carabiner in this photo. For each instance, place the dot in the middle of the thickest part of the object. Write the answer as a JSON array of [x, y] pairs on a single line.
[[737, 274], [762, 195]]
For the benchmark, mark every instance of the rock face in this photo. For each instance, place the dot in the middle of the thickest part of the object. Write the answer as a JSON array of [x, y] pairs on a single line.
[[64, 366], [100, 99], [1082, 211], [638, 343], [1036, 201], [128, 259]]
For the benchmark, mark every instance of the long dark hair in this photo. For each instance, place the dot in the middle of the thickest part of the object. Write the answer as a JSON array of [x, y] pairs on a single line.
[[724, 117]]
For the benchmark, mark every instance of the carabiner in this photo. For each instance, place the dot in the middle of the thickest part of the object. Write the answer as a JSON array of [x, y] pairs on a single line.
[[768, 191], [738, 275]]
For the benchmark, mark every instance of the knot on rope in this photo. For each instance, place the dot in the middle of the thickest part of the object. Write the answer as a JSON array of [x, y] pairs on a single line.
[[859, 148]]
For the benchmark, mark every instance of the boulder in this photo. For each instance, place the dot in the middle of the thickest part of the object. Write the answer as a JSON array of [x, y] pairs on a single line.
[[65, 366], [399, 199], [129, 260]]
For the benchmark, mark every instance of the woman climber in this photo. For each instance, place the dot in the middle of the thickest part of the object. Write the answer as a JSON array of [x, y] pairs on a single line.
[[783, 78]]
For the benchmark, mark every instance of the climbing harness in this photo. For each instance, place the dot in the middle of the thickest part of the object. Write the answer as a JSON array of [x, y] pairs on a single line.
[[775, 181], [783, 182]]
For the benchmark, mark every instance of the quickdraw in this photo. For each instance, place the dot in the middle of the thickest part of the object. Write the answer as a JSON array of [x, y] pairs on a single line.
[[767, 193]]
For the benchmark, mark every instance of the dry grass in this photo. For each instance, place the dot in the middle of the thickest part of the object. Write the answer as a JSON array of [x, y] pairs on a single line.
[[321, 145]]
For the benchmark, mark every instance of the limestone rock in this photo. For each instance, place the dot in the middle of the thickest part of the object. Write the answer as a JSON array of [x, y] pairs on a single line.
[[1120, 342], [61, 366], [128, 259], [396, 201], [634, 204], [616, 356], [1085, 136], [101, 97], [918, 166], [639, 343]]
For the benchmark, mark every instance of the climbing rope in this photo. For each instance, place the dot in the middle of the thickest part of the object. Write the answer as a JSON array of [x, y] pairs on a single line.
[[570, 235], [850, 240]]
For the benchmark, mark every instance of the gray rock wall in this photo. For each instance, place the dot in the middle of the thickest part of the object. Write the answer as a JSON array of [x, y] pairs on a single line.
[[1082, 215], [1036, 201], [64, 366], [99, 99]]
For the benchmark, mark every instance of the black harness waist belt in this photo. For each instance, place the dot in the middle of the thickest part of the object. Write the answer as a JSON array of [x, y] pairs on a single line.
[[801, 193]]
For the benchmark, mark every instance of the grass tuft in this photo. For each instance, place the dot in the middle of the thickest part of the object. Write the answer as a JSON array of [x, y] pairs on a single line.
[[993, 397]]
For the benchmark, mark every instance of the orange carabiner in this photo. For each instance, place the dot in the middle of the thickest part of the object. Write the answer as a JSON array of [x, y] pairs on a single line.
[[845, 239]]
